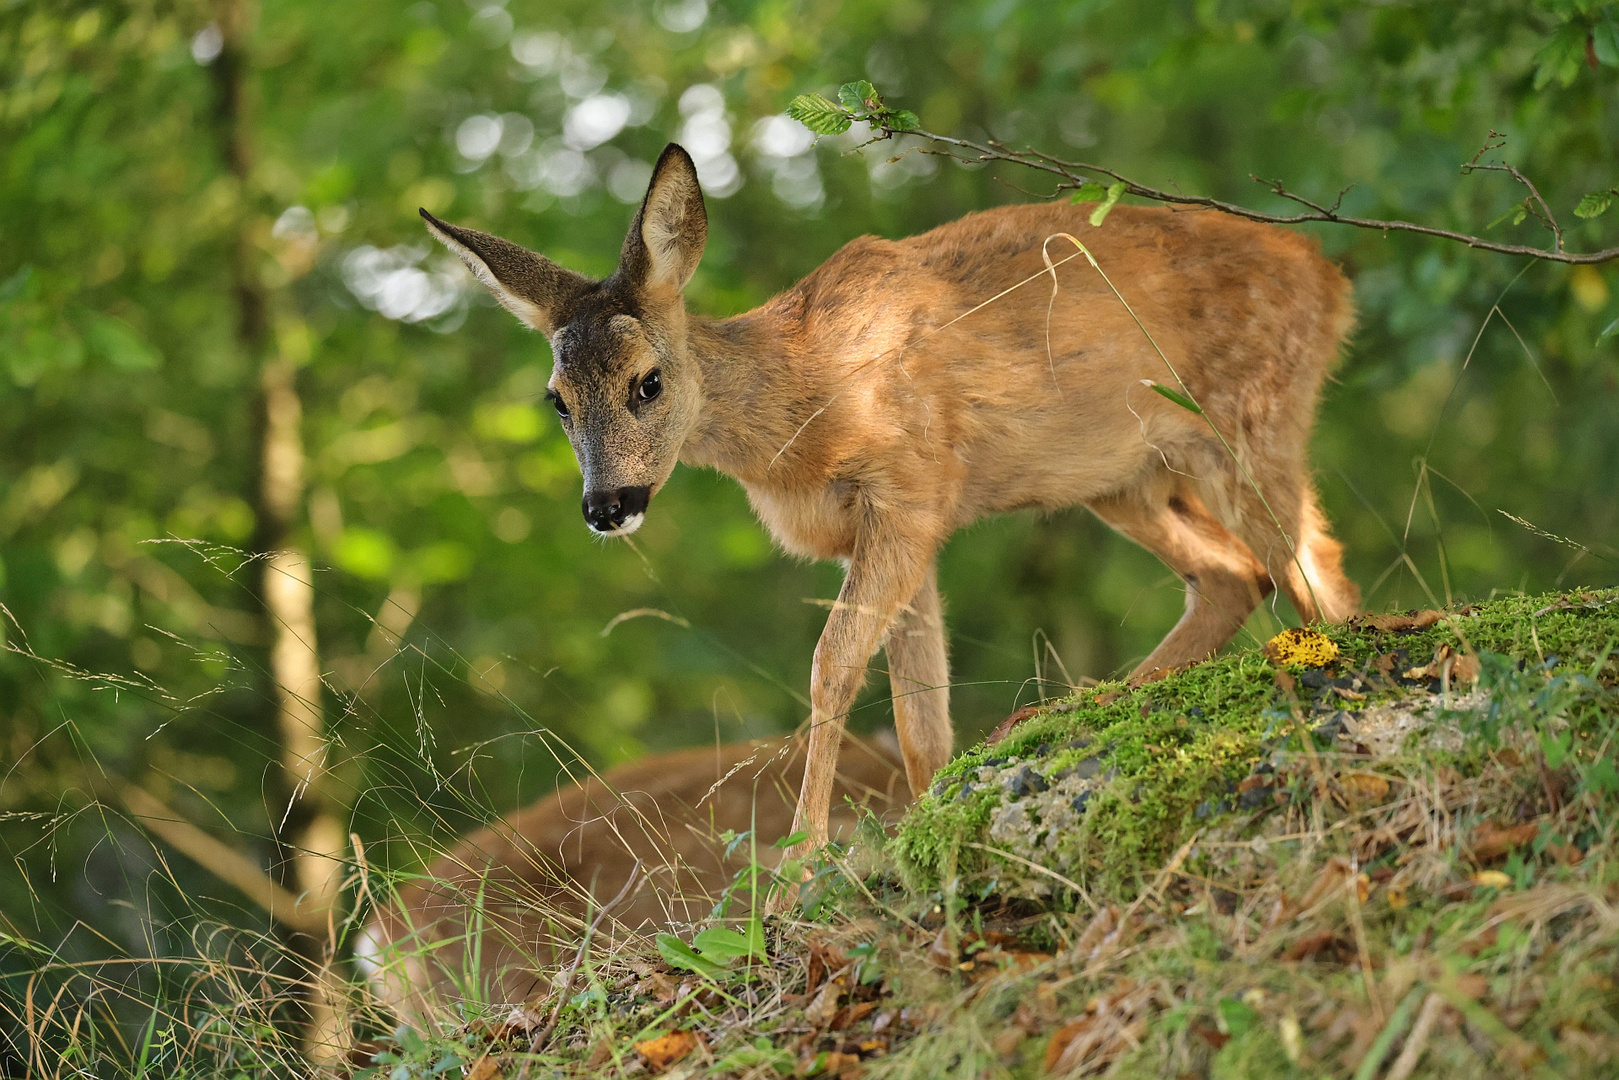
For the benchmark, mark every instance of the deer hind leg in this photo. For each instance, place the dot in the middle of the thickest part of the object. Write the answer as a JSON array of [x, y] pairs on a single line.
[[1306, 562], [919, 675], [1224, 582]]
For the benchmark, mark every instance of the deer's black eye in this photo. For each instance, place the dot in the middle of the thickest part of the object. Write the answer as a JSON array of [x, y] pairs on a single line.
[[650, 387], [557, 402]]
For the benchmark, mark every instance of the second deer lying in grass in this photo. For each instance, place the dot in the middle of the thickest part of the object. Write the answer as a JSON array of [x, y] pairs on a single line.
[[515, 897], [909, 387]]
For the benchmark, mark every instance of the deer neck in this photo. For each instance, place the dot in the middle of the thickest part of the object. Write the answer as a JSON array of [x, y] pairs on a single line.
[[757, 395]]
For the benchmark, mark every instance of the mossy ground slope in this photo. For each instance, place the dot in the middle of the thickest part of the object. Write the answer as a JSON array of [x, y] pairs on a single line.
[[1396, 863]]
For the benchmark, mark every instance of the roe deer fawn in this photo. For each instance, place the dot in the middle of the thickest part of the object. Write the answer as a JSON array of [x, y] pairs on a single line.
[[513, 896], [909, 387]]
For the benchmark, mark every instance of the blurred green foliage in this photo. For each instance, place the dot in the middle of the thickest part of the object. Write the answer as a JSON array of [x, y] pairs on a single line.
[[1474, 383]]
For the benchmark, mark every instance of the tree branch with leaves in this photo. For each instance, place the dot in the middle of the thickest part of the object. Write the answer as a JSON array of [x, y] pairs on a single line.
[[860, 102]]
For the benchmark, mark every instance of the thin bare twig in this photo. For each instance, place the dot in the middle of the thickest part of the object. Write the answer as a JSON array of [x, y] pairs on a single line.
[[1073, 174], [543, 1036]]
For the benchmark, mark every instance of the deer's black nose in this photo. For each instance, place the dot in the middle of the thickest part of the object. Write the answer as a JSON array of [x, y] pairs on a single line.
[[619, 510]]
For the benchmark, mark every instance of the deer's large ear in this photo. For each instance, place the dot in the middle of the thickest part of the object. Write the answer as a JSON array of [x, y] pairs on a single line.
[[530, 286], [666, 240]]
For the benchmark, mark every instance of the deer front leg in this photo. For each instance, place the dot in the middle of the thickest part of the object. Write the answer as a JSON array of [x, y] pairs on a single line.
[[919, 676], [884, 572]]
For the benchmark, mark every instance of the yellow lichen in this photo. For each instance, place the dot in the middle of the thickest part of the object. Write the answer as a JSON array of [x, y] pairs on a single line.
[[1300, 647]]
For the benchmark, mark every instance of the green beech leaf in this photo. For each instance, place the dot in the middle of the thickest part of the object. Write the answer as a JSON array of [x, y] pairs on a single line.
[[859, 97], [1180, 399], [1605, 40], [118, 343], [1595, 203], [904, 120], [1100, 214], [819, 115]]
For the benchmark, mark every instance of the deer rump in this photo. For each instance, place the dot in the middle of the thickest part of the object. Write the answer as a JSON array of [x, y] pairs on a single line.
[[514, 897]]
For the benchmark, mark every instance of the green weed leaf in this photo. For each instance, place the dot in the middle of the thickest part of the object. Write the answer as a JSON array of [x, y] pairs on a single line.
[[1238, 1017], [722, 944], [796, 838], [819, 115], [1100, 214], [677, 954], [1180, 399]]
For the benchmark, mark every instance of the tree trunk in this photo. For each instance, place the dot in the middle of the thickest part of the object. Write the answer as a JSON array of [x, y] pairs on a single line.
[[310, 830]]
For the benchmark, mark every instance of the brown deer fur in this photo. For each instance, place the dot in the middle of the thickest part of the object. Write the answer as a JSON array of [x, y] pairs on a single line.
[[516, 895], [868, 419]]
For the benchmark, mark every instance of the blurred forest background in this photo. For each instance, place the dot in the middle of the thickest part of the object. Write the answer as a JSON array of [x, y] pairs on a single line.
[[207, 207]]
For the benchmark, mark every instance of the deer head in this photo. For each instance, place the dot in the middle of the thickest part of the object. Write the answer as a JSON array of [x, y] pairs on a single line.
[[624, 384]]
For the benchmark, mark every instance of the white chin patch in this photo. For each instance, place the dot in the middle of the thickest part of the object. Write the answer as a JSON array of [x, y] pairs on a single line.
[[629, 526]]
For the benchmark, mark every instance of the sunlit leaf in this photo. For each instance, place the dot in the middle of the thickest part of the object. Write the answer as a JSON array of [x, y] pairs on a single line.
[[904, 120], [819, 115]]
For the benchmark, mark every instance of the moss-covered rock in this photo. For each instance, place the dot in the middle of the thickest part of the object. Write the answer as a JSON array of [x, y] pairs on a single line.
[[1096, 792]]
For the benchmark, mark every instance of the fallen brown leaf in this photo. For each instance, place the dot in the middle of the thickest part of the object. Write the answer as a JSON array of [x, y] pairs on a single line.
[[824, 960], [1064, 1036], [1006, 1042], [824, 1008], [1490, 841], [943, 952], [485, 1068], [1567, 854], [1332, 876], [1004, 728], [1400, 624], [664, 1050], [831, 1063], [1308, 947], [600, 1053], [850, 1015]]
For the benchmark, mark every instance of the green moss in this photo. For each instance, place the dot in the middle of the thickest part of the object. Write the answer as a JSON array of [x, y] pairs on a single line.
[[1175, 747]]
